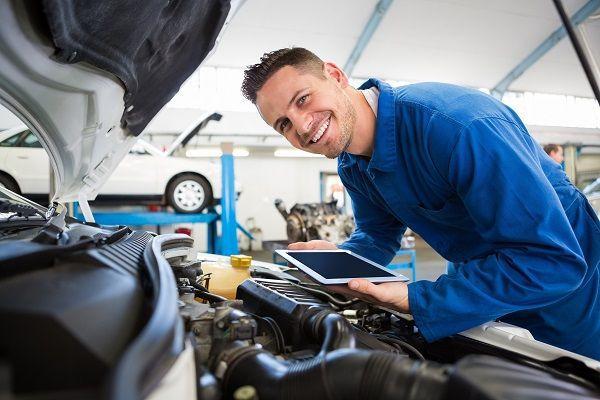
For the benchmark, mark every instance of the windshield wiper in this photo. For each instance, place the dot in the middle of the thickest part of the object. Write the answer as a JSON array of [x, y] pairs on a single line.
[[19, 210]]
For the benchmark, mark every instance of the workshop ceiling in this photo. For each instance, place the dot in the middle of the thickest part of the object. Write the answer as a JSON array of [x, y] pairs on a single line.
[[467, 42]]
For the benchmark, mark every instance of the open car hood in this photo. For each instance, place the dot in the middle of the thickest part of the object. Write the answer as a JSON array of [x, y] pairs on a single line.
[[87, 77]]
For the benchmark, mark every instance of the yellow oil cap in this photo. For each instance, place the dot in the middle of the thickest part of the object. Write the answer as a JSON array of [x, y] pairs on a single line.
[[240, 260]]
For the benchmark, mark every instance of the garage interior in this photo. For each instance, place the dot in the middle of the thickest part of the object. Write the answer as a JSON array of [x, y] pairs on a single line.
[[515, 51], [258, 193]]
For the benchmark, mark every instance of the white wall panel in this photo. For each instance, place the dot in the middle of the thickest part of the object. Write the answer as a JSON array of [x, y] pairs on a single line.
[[294, 180]]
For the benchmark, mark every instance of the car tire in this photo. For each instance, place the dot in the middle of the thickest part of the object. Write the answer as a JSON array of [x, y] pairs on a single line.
[[9, 184], [189, 194]]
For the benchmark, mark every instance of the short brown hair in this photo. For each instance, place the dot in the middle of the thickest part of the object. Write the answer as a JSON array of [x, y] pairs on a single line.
[[550, 148], [256, 75]]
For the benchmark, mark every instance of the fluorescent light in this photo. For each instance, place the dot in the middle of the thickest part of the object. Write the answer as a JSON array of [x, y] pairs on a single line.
[[215, 152], [204, 152], [295, 153], [241, 152]]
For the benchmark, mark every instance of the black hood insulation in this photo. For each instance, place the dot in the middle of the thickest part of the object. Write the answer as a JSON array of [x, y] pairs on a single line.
[[152, 46]]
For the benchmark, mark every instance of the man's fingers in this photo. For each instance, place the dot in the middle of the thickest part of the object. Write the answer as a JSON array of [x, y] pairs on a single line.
[[363, 286], [312, 245], [382, 292], [391, 294]]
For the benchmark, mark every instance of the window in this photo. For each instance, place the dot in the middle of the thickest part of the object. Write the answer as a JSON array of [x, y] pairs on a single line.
[[30, 140], [10, 141], [332, 189]]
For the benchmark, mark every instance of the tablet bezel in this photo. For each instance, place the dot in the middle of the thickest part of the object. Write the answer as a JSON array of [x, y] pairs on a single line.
[[321, 279]]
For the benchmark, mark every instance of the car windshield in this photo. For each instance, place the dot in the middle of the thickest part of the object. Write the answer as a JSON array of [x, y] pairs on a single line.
[[592, 187], [13, 206]]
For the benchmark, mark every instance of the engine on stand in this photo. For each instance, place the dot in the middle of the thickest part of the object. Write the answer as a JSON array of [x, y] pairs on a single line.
[[313, 221], [323, 221]]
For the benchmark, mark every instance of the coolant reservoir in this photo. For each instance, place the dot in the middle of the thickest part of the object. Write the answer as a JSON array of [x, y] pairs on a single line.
[[225, 277]]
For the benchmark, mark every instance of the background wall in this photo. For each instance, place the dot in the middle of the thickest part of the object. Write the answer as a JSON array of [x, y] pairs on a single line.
[[8, 119], [294, 180]]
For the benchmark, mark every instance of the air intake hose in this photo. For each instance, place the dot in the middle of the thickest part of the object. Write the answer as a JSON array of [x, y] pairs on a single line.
[[340, 374], [339, 371], [329, 328]]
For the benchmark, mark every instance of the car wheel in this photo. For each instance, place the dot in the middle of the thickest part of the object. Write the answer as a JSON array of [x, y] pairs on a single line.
[[8, 183], [189, 194]]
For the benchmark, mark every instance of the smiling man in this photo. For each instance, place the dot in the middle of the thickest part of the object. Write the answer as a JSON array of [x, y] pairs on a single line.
[[459, 168]]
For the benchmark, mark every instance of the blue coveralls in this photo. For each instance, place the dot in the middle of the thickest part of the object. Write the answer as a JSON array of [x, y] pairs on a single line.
[[460, 169]]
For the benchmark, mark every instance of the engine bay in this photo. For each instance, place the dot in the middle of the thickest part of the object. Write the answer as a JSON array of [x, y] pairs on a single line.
[[106, 312]]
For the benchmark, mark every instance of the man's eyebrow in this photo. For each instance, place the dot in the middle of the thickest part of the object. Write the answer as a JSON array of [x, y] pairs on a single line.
[[276, 123]]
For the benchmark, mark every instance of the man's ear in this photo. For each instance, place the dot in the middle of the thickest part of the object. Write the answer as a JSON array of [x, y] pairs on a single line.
[[333, 71]]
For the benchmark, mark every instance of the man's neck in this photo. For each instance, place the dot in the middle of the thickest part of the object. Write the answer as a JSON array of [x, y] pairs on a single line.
[[363, 137]]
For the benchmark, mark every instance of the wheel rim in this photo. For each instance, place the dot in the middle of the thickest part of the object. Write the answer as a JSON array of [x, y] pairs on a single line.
[[188, 195]]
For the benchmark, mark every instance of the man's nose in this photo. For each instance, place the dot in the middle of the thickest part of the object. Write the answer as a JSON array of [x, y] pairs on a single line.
[[302, 122]]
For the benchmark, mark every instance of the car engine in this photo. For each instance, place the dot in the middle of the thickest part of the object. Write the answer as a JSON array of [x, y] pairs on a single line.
[[92, 312], [313, 221], [281, 339]]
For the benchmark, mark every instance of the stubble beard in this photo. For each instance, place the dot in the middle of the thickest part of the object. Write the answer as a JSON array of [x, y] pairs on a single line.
[[346, 123]]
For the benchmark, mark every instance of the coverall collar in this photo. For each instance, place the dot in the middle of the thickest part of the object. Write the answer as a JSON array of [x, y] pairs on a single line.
[[384, 149]]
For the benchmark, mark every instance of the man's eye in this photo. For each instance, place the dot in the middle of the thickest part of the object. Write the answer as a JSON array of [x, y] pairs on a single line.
[[284, 125], [302, 99]]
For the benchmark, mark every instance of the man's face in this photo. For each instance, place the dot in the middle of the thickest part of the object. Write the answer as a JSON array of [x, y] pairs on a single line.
[[557, 155], [313, 112]]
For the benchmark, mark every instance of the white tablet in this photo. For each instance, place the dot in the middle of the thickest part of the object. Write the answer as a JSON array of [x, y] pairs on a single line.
[[331, 267]]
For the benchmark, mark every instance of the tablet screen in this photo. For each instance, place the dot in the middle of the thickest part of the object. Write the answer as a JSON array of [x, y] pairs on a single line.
[[338, 265]]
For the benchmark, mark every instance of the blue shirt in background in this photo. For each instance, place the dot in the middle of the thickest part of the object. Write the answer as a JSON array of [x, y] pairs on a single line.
[[460, 169]]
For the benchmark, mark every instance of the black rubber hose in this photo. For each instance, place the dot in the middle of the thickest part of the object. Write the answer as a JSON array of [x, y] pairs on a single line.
[[341, 374], [339, 371], [329, 328], [200, 291]]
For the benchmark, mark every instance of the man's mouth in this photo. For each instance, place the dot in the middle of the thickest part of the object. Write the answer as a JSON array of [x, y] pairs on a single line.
[[321, 131]]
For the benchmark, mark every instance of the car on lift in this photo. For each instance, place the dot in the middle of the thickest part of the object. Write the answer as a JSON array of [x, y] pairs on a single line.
[[146, 175], [592, 192], [92, 311]]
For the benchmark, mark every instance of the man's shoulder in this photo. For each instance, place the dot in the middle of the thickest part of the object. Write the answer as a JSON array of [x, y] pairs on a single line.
[[457, 103]]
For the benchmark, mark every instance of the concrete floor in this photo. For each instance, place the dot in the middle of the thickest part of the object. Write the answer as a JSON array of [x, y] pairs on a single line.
[[430, 265]]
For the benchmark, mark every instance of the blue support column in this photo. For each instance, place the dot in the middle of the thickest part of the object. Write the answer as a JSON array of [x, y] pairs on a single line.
[[365, 37], [211, 240], [581, 15], [229, 243]]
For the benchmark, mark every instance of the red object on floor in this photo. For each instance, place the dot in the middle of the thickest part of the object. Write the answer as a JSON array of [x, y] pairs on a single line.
[[185, 231], [154, 208]]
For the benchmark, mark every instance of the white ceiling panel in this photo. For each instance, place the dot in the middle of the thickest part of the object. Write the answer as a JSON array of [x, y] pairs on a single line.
[[559, 71], [329, 28], [468, 42]]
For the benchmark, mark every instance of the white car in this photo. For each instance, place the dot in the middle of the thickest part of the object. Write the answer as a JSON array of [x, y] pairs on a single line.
[[145, 174]]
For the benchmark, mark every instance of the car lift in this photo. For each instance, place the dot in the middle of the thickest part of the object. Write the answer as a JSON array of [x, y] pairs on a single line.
[[225, 244]]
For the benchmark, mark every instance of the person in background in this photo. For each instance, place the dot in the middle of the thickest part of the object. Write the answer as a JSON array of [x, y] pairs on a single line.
[[555, 152]]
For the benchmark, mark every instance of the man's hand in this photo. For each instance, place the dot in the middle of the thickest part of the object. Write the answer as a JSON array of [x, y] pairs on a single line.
[[313, 245], [393, 295]]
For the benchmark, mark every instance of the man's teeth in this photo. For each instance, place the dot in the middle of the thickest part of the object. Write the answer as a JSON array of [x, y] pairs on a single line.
[[321, 131]]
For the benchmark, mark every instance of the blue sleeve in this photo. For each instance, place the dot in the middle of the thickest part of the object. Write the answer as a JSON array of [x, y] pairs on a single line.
[[537, 260], [378, 234]]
